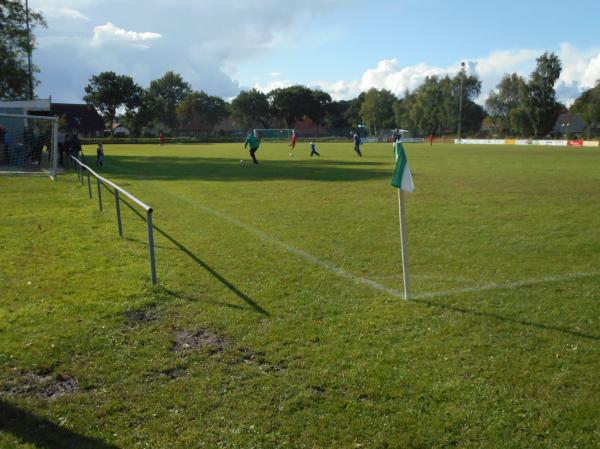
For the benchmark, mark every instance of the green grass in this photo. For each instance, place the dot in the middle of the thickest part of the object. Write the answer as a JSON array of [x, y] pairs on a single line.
[[314, 359]]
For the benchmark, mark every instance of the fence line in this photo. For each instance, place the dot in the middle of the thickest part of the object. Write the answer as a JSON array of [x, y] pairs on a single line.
[[81, 168]]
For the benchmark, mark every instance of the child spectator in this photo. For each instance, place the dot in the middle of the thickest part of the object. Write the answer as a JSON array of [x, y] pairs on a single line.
[[313, 150], [99, 155]]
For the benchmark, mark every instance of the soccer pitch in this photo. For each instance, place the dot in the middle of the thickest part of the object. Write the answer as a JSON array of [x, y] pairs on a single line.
[[278, 320]]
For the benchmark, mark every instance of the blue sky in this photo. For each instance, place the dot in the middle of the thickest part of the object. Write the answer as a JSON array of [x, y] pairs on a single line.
[[341, 46]]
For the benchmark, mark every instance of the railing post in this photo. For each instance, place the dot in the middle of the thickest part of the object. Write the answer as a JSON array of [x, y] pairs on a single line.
[[99, 193], [118, 206], [151, 246], [89, 184], [80, 173]]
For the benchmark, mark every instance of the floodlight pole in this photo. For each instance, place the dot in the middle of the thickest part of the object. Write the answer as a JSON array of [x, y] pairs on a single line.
[[462, 65], [29, 50]]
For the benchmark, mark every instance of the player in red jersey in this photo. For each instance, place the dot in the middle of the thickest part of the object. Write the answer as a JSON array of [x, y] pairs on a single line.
[[293, 144]]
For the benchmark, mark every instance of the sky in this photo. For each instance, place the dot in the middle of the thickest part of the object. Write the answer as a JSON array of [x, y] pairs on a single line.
[[341, 46]]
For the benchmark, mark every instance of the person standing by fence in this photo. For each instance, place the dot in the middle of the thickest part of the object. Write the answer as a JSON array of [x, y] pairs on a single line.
[[100, 155]]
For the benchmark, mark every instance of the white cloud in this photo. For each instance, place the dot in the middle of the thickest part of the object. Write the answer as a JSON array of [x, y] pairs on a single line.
[[506, 61], [388, 74], [62, 12], [205, 41], [274, 84], [591, 76], [109, 33], [581, 70]]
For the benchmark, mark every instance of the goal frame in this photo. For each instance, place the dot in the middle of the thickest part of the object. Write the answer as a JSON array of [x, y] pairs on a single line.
[[289, 132], [53, 169]]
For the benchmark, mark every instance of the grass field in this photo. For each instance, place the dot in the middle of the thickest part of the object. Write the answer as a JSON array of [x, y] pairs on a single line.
[[276, 322]]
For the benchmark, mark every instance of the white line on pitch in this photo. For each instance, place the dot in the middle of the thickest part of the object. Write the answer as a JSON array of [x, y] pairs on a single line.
[[301, 253], [504, 286], [365, 281], [376, 285]]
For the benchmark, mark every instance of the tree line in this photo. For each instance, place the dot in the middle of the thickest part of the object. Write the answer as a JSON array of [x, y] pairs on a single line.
[[169, 103], [442, 105]]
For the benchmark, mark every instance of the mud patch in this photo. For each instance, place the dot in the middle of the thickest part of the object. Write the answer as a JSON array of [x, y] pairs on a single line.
[[246, 356], [174, 373], [203, 339], [140, 316], [42, 386]]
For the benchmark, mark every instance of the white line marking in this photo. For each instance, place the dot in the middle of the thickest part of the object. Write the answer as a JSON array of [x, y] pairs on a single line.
[[301, 253], [505, 286], [365, 281], [376, 285]]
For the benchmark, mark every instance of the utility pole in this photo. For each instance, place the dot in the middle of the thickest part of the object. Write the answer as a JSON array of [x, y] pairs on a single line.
[[29, 50], [462, 78]]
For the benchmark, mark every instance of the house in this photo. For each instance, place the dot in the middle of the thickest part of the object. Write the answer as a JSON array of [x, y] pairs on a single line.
[[81, 117], [25, 107], [307, 128], [569, 124], [197, 127], [120, 130]]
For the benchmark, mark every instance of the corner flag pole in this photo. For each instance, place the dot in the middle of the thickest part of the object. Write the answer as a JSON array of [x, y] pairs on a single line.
[[404, 245], [402, 180]]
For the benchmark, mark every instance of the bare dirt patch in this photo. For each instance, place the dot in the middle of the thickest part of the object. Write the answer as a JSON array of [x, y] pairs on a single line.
[[203, 339], [140, 316], [41, 386]]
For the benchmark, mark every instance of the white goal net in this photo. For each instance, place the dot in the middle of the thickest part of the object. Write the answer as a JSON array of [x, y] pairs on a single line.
[[28, 144], [273, 134]]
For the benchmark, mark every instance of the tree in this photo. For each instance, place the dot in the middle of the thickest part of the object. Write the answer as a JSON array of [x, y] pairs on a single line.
[[319, 106], [290, 104], [251, 109], [588, 104], [209, 109], [426, 110], [352, 114], [402, 110], [140, 117], [336, 115], [472, 114], [16, 43], [434, 107], [539, 100], [108, 92], [503, 100], [377, 109], [166, 93]]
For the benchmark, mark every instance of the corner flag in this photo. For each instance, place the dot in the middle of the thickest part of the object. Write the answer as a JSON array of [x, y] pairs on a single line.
[[402, 178]]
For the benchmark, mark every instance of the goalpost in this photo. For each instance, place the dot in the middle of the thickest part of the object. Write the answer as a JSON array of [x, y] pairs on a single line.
[[28, 144], [273, 134]]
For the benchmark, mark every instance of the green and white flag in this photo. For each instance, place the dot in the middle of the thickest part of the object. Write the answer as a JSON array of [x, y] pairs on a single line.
[[402, 177]]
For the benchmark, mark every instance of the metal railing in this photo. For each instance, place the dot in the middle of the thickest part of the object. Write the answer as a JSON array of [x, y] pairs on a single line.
[[82, 170]]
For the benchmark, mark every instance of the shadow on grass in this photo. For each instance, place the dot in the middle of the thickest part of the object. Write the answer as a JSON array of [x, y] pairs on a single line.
[[223, 169], [192, 298], [494, 316], [43, 433], [200, 262]]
